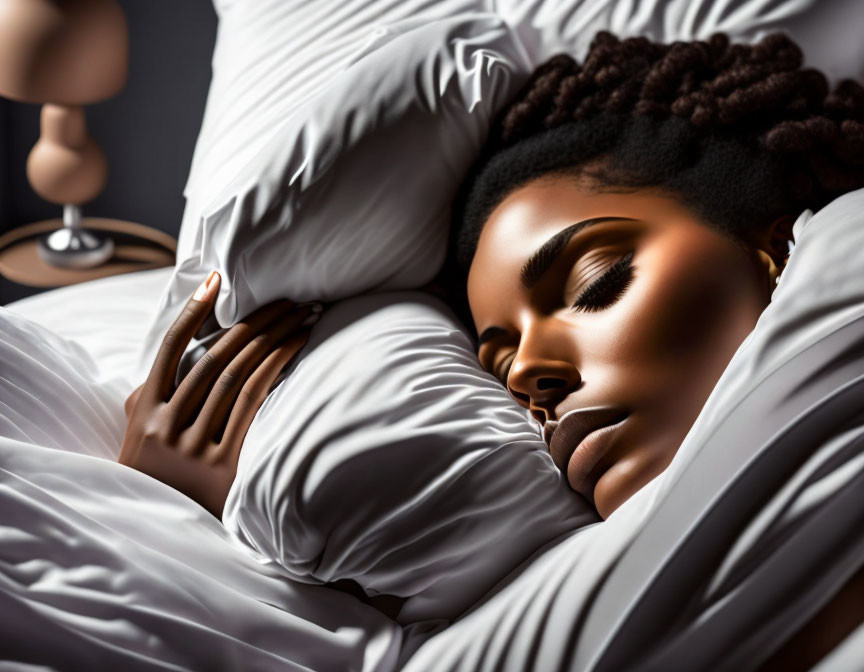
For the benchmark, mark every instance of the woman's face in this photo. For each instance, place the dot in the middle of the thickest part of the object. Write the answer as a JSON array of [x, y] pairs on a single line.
[[648, 346]]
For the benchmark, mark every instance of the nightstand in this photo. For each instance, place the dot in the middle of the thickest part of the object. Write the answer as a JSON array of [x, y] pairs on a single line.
[[136, 248]]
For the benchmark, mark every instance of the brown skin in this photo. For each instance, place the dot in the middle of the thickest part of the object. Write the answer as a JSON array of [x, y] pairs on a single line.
[[190, 438], [656, 352]]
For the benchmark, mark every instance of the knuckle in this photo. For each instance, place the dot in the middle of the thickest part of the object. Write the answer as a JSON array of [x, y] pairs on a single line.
[[261, 340], [152, 427], [204, 368], [172, 339], [207, 362], [188, 443], [228, 381], [246, 397], [211, 454], [153, 436]]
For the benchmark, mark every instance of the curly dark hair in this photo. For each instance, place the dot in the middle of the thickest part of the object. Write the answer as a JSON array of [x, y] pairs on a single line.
[[684, 117]]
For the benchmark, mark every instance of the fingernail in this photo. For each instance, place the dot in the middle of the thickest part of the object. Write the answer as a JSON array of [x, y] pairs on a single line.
[[205, 289]]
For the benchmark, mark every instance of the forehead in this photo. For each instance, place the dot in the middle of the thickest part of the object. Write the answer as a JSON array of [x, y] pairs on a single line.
[[529, 215]]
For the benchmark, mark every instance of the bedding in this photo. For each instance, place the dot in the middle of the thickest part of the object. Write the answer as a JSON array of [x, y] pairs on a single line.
[[753, 526], [108, 318], [583, 600], [399, 476], [306, 217], [103, 567], [594, 599], [309, 100]]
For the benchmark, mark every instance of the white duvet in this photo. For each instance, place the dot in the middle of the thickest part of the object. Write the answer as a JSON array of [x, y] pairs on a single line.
[[754, 525], [105, 568]]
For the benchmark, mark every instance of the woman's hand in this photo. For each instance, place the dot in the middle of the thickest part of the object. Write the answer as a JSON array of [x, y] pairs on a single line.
[[190, 438]]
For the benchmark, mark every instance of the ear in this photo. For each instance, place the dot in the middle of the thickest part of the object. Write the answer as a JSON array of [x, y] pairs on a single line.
[[771, 244], [774, 239]]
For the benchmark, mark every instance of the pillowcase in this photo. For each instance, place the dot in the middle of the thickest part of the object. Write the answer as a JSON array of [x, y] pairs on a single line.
[[353, 192], [270, 56], [827, 31], [390, 458]]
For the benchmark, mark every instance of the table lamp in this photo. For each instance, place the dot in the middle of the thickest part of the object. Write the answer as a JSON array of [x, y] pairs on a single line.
[[65, 54]]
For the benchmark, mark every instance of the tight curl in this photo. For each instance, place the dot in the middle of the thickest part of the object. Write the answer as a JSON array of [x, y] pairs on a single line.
[[743, 133]]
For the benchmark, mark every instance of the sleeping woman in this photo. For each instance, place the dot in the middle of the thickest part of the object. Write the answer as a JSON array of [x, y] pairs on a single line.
[[616, 242], [626, 227]]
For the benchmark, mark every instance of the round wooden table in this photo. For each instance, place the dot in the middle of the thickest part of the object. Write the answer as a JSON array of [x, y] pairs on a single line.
[[136, 248]]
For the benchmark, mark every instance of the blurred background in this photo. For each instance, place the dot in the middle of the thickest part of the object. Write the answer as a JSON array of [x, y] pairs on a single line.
[[147, 131]]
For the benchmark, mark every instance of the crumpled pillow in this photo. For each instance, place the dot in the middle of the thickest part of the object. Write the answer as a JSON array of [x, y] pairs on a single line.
[[390, 458], [353, 191]]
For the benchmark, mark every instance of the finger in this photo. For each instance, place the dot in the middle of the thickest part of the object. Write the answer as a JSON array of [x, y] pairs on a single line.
[[254, 393], [131, 400], [187, 399], [214, 415], [164, 370]]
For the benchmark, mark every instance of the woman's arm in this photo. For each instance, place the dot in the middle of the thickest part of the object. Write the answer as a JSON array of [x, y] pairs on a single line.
[[190, 438], [818, 637]]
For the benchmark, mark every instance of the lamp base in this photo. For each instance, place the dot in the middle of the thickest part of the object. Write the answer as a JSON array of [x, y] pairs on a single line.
[[136, 248], [75, 248]]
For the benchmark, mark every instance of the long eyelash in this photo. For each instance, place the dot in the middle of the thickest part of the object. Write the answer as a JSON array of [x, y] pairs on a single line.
[[594, 298], [606, 290]]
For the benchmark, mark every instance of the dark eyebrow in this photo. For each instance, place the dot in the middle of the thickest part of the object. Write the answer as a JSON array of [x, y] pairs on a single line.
[[542, 259], [539, 262]]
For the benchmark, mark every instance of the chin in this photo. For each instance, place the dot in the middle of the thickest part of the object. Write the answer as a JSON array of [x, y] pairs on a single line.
[[625, 478]]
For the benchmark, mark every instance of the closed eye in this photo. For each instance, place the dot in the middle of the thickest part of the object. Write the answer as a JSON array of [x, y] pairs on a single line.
[[608, 288]]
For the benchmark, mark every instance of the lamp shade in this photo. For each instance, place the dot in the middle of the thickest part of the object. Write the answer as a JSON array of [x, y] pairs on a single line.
[[68, 52]]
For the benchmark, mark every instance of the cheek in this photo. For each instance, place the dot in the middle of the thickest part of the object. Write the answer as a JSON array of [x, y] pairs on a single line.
[[682, 320]]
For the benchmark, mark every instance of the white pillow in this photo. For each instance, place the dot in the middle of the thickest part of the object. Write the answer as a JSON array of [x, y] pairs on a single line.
[[273, 55], [269, 57], [389, 457], [278, 178], [354, 189], [827, 31]]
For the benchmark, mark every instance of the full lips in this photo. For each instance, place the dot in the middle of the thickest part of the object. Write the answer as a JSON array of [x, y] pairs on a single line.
[[582, 473], [576, 424]]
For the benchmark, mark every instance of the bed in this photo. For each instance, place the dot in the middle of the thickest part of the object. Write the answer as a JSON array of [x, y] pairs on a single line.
[[399, 470]]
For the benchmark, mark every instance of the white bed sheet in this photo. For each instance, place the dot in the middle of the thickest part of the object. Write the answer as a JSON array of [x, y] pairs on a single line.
[[107, 317], [90, 565], [104, 567]]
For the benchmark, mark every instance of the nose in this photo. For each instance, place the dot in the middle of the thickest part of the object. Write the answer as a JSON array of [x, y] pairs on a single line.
[[540, 382]]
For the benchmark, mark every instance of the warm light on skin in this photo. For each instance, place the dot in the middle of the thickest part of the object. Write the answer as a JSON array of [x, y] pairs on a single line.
[[657, 352]]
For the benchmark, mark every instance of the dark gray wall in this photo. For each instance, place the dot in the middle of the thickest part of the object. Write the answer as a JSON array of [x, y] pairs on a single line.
[[148, 130]]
